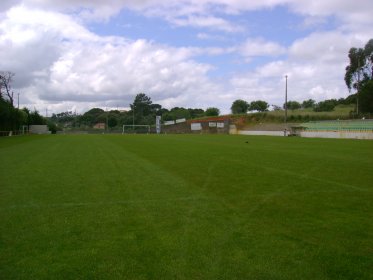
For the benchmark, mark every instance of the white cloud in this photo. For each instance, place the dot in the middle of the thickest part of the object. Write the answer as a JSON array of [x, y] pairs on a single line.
[[59, 63], [315, 67], [207, 36], [260, 47], [312, 79], [210, 13], [66, 63], [358, 10], [327, 47], [206, 21]]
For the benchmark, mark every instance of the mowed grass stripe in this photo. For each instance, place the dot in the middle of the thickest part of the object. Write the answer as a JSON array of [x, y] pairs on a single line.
[[186, 207], [92, 170], [140, 180]]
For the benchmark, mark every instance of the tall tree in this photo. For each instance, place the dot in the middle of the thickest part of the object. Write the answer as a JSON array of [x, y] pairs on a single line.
[[6, 79], [239, 106], [368, 52], [196, 113], [293, 105], [33, 117], [366, 97], [141, 105], [91, 117], [326, 105], [354, 71], [179, 113], [212, 111], [310, 103], [360, 69], [259, 105]]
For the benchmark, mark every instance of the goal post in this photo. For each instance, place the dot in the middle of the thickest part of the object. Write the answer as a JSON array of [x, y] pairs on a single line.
[[25, 129], [134, 128]]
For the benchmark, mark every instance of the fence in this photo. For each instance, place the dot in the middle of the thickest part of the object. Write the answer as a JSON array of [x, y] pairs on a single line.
[[11, 133]]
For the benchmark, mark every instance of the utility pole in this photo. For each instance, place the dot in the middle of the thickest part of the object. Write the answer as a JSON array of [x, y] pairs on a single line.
[[286, 98], [358, 86], [18, 100]]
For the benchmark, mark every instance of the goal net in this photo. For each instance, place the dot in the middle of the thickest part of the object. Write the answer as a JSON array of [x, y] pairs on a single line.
[[137, 128]]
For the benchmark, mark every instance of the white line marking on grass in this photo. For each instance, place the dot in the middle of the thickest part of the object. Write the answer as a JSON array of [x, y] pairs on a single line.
[[305, 176], [264, 198]]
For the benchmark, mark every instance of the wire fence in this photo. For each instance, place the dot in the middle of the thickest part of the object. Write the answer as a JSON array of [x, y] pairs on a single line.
[[12, 133]]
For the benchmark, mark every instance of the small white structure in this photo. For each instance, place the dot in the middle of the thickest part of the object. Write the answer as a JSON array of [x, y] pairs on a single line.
[[180, 120], [265, 133], [39, 129], [195, 126]]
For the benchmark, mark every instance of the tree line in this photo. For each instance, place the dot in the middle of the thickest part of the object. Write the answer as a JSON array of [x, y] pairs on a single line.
[[240, 106], [358, 76], [12, 118], [142, 112]]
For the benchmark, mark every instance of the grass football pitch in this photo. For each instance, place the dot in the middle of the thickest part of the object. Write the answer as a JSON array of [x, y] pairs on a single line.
[[185, 207]]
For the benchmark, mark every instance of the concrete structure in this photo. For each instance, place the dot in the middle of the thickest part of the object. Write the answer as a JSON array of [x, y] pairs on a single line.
[[39, 129], [265, 133], [349, 129], [233, 129], [338, 134], [211, 125], [99, 126]]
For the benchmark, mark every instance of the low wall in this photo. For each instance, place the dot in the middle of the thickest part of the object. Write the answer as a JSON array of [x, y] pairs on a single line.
[[268, 133], [338, 134], [233, 129], [201, 127], [39, 129]]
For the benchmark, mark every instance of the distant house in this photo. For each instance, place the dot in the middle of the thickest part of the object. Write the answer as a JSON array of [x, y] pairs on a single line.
[[99, 126]]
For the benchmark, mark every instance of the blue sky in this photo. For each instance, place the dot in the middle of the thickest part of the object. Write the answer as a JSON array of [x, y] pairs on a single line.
[[79, 54], [277, 24]]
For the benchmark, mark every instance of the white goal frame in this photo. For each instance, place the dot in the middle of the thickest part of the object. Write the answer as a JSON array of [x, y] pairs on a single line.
[[136, 125], [25, 129]]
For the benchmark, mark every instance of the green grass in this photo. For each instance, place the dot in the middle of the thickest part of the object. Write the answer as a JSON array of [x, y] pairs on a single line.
[[300, 115], [340, 111], [185, 207]]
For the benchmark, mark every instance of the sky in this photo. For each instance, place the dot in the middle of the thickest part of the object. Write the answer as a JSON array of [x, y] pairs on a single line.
[[74, 55]]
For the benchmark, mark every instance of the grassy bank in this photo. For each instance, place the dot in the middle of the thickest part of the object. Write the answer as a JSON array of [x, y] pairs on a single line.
[[294, 116]]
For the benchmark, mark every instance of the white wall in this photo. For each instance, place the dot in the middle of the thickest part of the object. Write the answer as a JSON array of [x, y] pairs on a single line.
[[337, 134], [268, 133], [39, 129]]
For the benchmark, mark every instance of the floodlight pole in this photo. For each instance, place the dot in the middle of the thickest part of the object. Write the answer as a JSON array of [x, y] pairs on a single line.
[[286, 98], [358, 86]]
